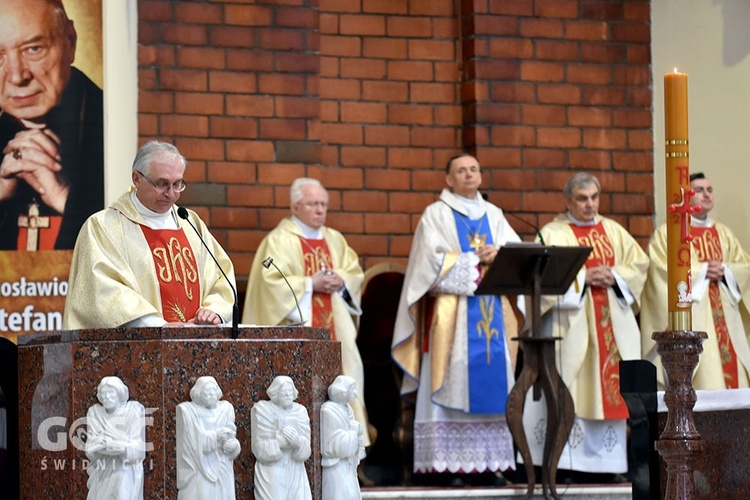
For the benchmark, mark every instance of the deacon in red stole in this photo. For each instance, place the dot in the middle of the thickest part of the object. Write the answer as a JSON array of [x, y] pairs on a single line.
[[324, 272], [720, 279], [596, 319], [452, 344], [137, 263]]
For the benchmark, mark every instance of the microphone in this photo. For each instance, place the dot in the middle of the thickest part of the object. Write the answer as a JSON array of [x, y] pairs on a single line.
[[268, 263], [536, 229], [183, 213]]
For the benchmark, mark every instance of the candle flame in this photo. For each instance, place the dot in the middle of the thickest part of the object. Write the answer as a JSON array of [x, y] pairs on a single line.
[[675, 70]]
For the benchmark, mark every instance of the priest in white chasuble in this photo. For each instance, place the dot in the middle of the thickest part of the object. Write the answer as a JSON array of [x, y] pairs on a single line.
[[720, 272], [596, 320], [137, 263], [452, 344], [321, 268]]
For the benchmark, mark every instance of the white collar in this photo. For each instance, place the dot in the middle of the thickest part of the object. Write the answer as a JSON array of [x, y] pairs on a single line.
[[154, 220], [471, 206], [695, 221], [307, 231], [582, 223], [33, 125]]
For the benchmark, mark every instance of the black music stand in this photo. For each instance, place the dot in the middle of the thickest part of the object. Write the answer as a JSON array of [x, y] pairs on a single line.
[[535, 270]]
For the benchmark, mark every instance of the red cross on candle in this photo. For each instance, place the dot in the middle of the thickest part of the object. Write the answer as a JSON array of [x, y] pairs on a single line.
[[685, 210]]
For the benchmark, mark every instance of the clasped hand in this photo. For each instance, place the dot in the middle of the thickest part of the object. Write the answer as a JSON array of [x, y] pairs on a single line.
[[36, 161], [288, 437], [327, 282], [715, 271], [227, 440], [600, 276]]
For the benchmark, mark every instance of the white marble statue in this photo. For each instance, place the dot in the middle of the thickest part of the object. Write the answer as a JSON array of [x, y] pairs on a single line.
[[342, 442], [206, 444], [115, 443], [281, 443]]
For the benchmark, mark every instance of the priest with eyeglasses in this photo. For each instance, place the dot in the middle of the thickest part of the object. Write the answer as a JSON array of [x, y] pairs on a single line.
[[137, 264], [322, 270]]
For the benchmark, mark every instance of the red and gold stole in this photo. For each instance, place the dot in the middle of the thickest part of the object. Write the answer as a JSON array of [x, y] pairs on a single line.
[[176, 272], [609, 356], [316, 258], [707, 247]]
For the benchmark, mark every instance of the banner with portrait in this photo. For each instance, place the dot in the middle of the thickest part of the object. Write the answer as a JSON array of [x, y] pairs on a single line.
[[52, 140]]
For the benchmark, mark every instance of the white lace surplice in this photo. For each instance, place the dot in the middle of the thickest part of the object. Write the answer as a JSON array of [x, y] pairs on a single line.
[[453, 441]]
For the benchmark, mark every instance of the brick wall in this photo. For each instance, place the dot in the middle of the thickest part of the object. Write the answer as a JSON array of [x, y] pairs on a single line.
[[373, 96]]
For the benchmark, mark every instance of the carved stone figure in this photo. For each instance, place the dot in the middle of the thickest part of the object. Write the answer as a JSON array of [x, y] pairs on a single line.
[[206, 444], [281, 443], [342, 442], [115, 444]]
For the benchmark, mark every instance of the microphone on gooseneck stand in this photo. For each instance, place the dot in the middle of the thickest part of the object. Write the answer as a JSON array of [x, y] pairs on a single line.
[[536, 229], [183, 213], [268, 263]]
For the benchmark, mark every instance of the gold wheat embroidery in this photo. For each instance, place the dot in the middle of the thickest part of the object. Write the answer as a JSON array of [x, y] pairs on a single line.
[[484, 327]]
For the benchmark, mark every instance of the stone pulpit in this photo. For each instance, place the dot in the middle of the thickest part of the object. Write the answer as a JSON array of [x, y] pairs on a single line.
[[59, 373]]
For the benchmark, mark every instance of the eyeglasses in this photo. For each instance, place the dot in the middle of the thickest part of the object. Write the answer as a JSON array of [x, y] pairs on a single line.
[[163, 186], [312, 205]]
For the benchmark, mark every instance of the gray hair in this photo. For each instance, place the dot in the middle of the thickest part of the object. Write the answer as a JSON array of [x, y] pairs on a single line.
[[123, 393], [153, 150], [295, 191], [200, 384], [580, 180], [277, 384]]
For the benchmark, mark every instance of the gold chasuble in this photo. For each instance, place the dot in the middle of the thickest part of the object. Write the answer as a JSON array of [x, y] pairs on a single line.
[[707, 246], [176, 273], [597, 328], [317, 258], [122, 271], [268, 301], [720, 308], [609, 356]]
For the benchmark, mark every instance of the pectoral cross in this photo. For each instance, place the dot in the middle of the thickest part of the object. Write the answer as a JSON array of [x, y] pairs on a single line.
[[33, 222], [685, 210], [477, 240]]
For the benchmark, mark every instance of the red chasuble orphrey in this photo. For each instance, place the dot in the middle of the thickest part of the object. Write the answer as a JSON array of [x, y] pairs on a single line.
[[176, 273], [317, 258], [609, 356], [707, 247]]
